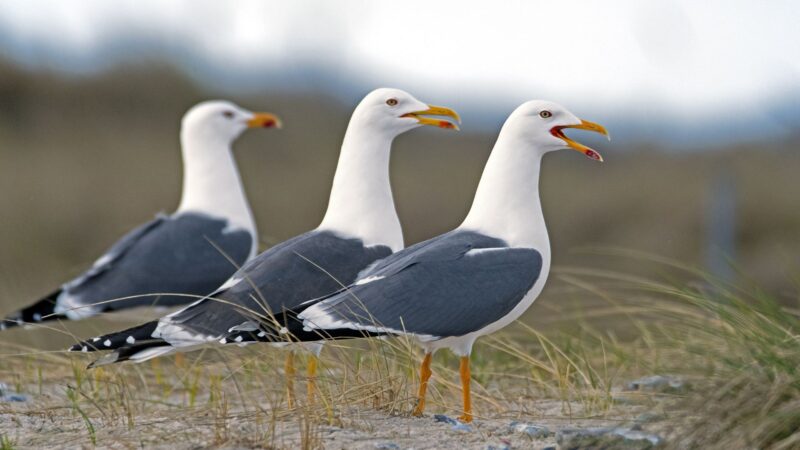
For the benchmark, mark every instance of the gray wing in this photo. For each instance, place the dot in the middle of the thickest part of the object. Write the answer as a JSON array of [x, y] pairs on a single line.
[[116, 251], [186, 253], [452, 285], [281, 279]]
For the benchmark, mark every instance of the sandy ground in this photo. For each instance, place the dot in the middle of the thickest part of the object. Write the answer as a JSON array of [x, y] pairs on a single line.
[[33, 425], [241, 403]]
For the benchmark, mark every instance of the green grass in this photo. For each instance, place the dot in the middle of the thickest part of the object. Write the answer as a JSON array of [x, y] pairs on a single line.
[[739, 344], [6, 443], [751, 349], [73, 399]]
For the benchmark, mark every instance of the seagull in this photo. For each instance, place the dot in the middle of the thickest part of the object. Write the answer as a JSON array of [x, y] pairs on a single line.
[[476, 279], [189, 252], [360, 227]]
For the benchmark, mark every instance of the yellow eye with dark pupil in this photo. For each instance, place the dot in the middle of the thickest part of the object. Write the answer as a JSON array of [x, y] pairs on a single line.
[[391, 101], [545, 114]]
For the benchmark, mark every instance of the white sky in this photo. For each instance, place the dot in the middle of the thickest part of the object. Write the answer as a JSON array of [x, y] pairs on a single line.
[[688, 56]]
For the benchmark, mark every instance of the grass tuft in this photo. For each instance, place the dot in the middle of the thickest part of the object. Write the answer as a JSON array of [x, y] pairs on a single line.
[[735, 347]]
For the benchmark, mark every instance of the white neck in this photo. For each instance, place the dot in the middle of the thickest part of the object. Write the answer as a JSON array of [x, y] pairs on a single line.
[[361, 203], [211, 183], [507, 204]]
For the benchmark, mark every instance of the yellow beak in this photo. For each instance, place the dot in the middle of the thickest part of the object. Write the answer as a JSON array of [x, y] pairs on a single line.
[[584, 125], [436, 111], [264, 120]]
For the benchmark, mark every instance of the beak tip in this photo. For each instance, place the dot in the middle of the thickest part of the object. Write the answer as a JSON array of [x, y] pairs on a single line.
[[265, 120], [591, 154]]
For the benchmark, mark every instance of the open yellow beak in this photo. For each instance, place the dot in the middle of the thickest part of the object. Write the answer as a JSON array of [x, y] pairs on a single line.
[[264, 120], [584, 125], [436, 111]]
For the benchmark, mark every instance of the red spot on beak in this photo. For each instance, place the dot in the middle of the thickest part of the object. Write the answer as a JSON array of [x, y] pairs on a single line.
[[593, 154], [445, 124], [269, 123]]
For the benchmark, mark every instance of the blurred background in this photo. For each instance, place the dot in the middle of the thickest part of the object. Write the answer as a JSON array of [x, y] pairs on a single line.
[[702, 101]]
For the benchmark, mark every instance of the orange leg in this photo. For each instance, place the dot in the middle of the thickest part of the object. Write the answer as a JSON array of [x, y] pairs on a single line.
[[424, 376], [465, 380], [288, 369], [311, 383]]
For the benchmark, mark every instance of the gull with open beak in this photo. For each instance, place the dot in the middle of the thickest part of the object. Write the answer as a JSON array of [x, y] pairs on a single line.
[[474, 280], [189, 252], [260, 302]]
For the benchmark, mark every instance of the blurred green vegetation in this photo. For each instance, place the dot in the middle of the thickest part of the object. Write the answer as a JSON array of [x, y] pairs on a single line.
[[85, 159]]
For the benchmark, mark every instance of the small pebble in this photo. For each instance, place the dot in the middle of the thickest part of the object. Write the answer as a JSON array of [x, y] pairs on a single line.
[[13, 398], [7, 396], [445, 419], [532, 430], [657, 383], [461, 427], [387, 446], [457, 426], [582, 438]]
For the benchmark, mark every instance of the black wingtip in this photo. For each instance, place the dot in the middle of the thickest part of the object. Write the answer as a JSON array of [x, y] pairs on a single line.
[[113, 341], [10, 322], [128, 353], [89, 345], [294, 331], [41, 311], [78, 347]]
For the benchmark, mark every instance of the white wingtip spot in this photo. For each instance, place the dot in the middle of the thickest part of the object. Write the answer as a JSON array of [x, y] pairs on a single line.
[[107, 343], [283, 330], [261, 334], [95, 339], [223, 341], [131, 340], [231, 282], [369, 279], [37, 317], [84, 349], [238, 339]]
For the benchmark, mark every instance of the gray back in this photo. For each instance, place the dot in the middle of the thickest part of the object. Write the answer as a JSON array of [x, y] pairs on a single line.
[[309, 266], [435, 288], [178, 254]]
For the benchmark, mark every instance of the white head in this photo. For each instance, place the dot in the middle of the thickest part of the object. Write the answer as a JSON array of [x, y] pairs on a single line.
[[211, 182], [393, 111], [222, 122], [361, 203], [540, 123]]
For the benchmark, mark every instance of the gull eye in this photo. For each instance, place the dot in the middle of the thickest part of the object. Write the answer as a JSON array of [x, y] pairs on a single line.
[[545, 114], [391, 102], [228, 114]]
